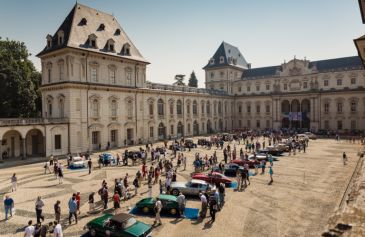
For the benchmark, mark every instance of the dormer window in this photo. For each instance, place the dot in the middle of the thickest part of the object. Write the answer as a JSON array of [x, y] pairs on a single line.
[[92, 41], [49, 41], [126, 49], [211, 61], [83, 21], [117, 32], [102, 27], [110, 45], [60, 36], [221, 59]]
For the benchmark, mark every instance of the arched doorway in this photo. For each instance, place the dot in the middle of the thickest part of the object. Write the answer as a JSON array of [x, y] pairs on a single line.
[[161, 131], [180, 130], [34, 143], [12, 145], [209, 126], [195, 128]]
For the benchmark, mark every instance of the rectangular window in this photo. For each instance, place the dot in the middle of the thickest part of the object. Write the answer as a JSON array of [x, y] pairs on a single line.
[[129, 78], [353, 124], [339, 125], [257, 123], [257, 88], [95, 138], [150, 108], [353, 81], [171, 108], [172, 129], [212, 75], [94, 76], [339, 107], [267, 108], [248, 123], [285, 87], [112, 76], [305, 85], [327, 124], [248, 109], [49, 75], [339, 82], [78, 104], [62, 67], [258, 108], [222, 74], [239, 123], [326, 108], [325, 83], [267, 87], [113, 135], [151, 131], [267, 123], [239, 89], [93, 43], [57, 142], [248, 88], [239, 109], [353, 106]]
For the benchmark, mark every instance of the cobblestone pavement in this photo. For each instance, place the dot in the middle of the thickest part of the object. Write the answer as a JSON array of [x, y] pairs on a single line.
[[306, 189]]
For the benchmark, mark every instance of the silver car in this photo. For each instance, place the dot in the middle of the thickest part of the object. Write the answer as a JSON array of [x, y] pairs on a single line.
[[191, 188]]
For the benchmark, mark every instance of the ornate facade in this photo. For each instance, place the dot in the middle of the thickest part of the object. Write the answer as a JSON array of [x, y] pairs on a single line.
[[95, 94]]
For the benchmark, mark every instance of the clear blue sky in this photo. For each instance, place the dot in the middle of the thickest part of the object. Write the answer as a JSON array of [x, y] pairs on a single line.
[[180, 36]]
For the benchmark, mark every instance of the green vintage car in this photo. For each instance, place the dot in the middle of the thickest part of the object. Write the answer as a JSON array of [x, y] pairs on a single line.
[[169, 204], [119, 225]]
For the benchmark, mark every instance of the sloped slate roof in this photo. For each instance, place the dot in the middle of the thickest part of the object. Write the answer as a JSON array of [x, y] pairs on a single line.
[[76, 34], [226, 50], [321, 65]]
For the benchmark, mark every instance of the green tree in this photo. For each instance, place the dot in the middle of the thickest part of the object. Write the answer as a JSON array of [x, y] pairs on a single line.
[[193, 81], [179, 80], [19, 81]]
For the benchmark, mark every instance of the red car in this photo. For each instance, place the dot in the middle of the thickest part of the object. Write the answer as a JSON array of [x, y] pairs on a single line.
[[251, 162], [213, 178]]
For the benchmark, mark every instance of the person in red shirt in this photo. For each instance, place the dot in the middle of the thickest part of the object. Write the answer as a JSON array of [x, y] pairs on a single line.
[[144, 171], [116, 200], [78, 199]]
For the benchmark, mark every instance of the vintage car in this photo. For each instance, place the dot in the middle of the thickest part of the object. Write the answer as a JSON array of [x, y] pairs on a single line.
[[193, 187], [272, 151], [204, 142], [119, 225], [169, 204], [213, 178], [108, 159], [303, 137], [311, 135], [251, 162], [262, 156], [282, 146], [189, 143], [229, 169], [77, 162]]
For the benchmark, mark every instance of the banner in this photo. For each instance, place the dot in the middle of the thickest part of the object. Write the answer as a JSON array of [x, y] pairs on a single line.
[[295, 116]]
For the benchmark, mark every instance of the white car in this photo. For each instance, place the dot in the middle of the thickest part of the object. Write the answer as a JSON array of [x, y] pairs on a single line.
[[303, 136], [311, 135], [77, 162]]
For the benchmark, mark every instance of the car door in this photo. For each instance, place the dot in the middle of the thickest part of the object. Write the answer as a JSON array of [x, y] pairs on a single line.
[[194, 189]]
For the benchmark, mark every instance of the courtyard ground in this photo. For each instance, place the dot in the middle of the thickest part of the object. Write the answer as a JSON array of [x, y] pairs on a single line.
[[307, 189]]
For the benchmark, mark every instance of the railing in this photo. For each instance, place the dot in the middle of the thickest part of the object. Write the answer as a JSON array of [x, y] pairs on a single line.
[[30, 121], [159, 86]]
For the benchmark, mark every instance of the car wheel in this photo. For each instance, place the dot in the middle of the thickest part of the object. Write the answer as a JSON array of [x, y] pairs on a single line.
[[145, 209], [92, 232], [173, 211], [175, 192]]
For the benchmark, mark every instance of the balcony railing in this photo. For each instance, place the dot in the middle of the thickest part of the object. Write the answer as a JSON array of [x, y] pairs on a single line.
[[30, 121]]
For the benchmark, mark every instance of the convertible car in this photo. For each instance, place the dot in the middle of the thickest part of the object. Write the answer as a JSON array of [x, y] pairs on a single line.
[[169, 204], [119, 225], [192, 187], [213, 178], [229, 169], [77, 162]]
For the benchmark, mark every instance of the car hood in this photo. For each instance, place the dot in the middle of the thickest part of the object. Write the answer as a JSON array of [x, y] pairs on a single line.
[[138, 229], [178, 185]]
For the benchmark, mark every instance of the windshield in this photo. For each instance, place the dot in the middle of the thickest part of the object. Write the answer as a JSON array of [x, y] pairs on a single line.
[[131, 221]]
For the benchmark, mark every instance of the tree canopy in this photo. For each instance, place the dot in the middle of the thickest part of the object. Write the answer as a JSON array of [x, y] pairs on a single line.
[[193, 81], [179, 80], [19, 81]]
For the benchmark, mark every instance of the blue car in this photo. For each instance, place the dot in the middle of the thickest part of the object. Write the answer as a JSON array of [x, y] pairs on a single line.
[[108, 159]]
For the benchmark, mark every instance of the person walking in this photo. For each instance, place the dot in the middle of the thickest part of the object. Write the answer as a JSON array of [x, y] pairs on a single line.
[[183, 161], [213, 207], [72, 208], [43, 230], [57, 232], [344, 158], [105, 196], [91, 202], [14, 181], [116, 200], [57, 210], [39, 204], [89, 165], [158, 208], [182, 202], [29, 230], [149, 188], [204, 206], [136, 185], [60, 173], [78, 201], [8, 206], [271, 172]]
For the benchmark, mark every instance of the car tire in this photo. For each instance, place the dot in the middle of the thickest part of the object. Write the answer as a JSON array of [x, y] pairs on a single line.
[[92, 232], [173, 211], [145, 209], [175, 192]]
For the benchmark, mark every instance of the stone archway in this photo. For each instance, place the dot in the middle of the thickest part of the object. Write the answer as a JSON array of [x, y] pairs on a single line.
[[12, 145], [34, 141]]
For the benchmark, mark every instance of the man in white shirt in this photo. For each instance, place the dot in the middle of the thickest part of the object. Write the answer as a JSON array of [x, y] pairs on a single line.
[[204, 207], [181, 201], [29, 230], [158, 208], [57, 232]]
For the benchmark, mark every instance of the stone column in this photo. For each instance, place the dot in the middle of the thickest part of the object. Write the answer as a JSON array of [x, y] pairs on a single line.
[[312, 110], [24, 149], [1, 150], [44, 146]]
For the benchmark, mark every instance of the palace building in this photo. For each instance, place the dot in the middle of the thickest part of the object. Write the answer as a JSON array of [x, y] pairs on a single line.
[[95, 94]]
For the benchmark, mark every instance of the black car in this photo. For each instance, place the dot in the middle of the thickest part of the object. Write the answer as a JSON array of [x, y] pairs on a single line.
[[229, 169]]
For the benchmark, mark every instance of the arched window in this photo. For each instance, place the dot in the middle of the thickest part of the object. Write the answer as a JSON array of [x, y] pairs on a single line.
[[202, 107], [219, 107], [195, 107], [160, 107], [126, 50], [113, 107], [180, 130], [95, 108], [62, 107], [221, 59], [179, 107], [49, 41], [130, 108], [61, 69], [49, 105], [208, 107], [150, 108], [171, 107], [188, 108], [60, 36]]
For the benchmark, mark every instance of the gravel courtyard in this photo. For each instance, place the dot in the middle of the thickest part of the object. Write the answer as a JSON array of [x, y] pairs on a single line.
[[307, 189]]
